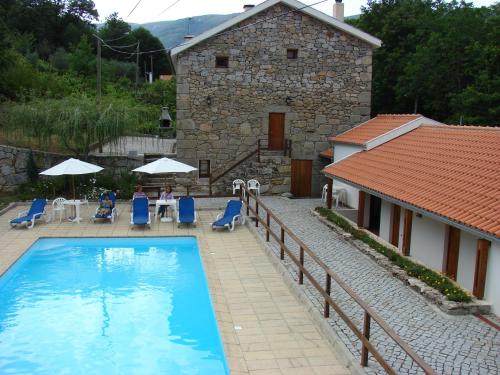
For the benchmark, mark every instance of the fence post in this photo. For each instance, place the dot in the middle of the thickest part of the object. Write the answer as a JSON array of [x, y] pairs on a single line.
[[366, 333], [256, 212], [248, 203], [301, 273], [268, 221], [328, 288], [258, 150], [282, 251]]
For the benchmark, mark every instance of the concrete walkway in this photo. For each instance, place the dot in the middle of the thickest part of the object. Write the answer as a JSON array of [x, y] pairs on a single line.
[[450, 344]]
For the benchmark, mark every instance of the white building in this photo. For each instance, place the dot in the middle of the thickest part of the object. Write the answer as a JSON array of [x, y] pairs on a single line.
[[433, 191]]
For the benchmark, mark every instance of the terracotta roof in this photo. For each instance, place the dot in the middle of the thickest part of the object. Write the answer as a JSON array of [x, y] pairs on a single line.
[[373, 128], [452, 171], [328, 153]]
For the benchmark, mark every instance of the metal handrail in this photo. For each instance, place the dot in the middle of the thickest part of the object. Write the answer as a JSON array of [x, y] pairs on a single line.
[[369, 313]]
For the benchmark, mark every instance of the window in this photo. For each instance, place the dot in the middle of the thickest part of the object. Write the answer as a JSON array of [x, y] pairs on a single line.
[[203, 168], [221, 62], [292, 53]]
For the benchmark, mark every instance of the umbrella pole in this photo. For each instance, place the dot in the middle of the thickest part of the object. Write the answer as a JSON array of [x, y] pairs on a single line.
[[74, 190]]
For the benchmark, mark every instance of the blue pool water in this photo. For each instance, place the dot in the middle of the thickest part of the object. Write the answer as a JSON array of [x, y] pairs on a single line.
[[109, 306]]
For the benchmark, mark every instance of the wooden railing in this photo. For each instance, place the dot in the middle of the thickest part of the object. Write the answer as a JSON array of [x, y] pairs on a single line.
[[261, 145], [369, 314]]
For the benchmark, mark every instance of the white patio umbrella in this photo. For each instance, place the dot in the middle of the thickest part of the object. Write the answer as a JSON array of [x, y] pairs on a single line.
[[165, 165], [72, 167]]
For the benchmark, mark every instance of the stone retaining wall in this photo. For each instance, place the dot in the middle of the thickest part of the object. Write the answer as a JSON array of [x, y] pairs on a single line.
[[13, 161]]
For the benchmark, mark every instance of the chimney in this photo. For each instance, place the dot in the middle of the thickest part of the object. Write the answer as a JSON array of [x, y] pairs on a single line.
[[187, 38], [248, 7], [338, 10]]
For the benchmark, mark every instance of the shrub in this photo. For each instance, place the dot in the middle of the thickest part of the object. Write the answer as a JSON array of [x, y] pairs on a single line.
[[439, 282]]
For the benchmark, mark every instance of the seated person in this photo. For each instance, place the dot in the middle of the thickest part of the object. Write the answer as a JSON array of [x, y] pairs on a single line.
[[138, 192], [166, 195], [105, 206]]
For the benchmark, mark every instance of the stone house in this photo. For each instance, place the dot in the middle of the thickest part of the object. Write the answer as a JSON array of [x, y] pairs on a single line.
[[280, 77]]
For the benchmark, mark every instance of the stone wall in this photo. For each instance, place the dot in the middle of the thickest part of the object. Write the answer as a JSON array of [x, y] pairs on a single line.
[[329, 85], [13, 162]]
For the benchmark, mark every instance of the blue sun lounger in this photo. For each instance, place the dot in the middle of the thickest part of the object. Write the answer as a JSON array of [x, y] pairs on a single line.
[[28, 218], [114, 211], [186, 213], [230, 216], [140, 214]]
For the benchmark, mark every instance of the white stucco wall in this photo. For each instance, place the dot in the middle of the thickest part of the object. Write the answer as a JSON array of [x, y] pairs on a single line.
[[341, 151], [466, 260], [492, 288], [427, 241], [385, 221]]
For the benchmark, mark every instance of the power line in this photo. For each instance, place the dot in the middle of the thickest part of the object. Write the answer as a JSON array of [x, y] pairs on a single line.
[[120, 37], [132, 11], [265, 20], [221, 33], [167, 8]]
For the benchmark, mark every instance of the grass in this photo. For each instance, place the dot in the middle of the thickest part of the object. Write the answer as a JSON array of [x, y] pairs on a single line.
[[435, 280]]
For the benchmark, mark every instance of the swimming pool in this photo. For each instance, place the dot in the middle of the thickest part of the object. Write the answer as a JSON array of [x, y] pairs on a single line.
[[109, 306]]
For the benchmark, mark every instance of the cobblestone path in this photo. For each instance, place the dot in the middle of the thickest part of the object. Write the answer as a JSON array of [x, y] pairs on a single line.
[[450, 344]]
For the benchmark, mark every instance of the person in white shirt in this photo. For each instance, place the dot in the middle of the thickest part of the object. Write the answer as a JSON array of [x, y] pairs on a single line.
[[166, 195]]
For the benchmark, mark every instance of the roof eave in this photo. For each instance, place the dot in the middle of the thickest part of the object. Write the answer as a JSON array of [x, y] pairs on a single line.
[[476, 231]]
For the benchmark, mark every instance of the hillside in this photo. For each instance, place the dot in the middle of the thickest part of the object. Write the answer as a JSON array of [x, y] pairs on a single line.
[[171, 33]]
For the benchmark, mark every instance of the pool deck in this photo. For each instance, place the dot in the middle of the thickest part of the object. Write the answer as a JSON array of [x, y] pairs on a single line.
[[264, 328]]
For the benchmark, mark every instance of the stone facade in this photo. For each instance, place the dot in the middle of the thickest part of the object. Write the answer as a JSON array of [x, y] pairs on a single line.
[[13, 161], [222, 112]]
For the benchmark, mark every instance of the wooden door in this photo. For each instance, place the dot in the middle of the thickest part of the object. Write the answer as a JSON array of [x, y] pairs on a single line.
[[451, 265], [375, 210], [276, 135], [301, 178]]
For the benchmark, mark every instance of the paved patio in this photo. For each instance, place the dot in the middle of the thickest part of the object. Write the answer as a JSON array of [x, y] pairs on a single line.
[[264, 328], [450, 344]]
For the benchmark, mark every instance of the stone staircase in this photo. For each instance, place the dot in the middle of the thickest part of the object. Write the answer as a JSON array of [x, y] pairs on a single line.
[[273, 171]]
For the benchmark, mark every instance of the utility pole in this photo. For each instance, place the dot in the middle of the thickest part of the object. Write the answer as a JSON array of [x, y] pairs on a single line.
[[151, 57], [98, 93], [137, 66], [98, 62]]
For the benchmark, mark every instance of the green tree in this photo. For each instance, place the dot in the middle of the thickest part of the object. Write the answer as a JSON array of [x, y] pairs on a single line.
[[148, 42], [439, 59]]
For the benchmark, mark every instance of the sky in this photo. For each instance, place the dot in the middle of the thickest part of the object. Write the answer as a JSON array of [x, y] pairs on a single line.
[[156, 10]]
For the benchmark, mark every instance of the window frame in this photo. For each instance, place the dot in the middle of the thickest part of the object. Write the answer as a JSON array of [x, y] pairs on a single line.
[[200, 174], [222, 61], [292, 53]]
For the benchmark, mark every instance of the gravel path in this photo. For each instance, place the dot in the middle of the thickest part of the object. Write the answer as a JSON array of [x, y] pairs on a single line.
[[450, 344]]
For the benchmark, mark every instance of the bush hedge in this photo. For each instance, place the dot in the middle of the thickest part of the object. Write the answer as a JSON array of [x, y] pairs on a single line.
[[439, 282]]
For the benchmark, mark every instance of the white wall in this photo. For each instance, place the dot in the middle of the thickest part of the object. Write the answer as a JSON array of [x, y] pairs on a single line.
[[385, 221], [466, 260], [492, 288], [341, 151], [427, 241]]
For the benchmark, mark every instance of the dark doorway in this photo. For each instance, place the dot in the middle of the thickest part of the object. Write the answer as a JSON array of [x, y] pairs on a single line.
[[375, 209], [301, 178], [276, 131]]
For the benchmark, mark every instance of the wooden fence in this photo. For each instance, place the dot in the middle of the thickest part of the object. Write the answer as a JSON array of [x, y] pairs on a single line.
[[254, 205]]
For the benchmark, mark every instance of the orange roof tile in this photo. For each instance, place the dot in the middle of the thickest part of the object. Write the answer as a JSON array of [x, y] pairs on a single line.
[[452, 171], [373, 128], [328, 153]]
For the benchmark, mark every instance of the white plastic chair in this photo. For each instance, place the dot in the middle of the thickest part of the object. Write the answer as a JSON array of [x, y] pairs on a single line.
[[237, 185], [253, 185], [324, 193], [58, 207]]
